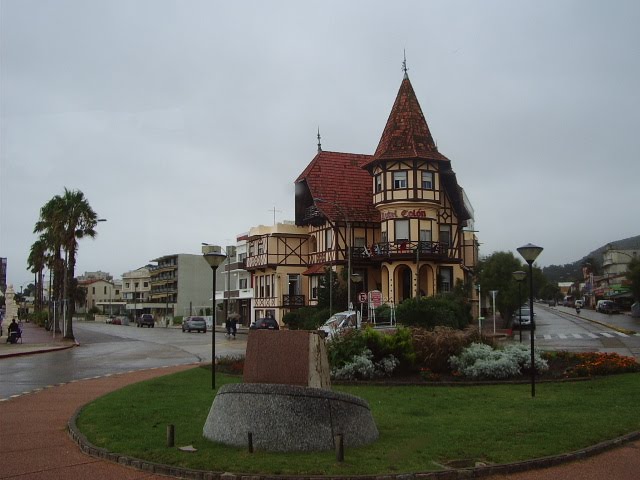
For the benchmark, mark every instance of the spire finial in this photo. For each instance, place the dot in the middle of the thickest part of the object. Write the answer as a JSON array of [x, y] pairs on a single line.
[[319, 144], [404, 63]]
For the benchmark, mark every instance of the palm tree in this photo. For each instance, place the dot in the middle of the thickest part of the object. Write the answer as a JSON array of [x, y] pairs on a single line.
[[80, 222], [49, 227], [66, 219], [36, 263]]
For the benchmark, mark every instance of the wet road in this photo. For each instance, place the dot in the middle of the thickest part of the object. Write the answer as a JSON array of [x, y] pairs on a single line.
[[560, 328], [106, 349]]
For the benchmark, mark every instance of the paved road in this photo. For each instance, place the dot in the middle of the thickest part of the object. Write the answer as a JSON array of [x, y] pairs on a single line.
[[106, 349]]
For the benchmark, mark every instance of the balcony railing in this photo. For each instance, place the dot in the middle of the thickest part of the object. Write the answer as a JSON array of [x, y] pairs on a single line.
[[293, 300], [423, 249]]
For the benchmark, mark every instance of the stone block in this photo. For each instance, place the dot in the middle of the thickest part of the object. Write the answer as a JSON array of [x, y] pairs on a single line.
[[287, 357]]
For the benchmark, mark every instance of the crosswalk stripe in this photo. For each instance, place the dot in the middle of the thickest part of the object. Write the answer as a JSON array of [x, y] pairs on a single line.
[[562, 336], [592, 335], [605, 334], [576, 335], [621, 334], [547, 337]]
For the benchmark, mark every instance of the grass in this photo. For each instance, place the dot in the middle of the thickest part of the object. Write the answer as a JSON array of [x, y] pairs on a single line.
[[421, 427]]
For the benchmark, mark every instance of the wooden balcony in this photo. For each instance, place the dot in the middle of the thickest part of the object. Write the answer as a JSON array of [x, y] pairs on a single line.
[[293, 301]]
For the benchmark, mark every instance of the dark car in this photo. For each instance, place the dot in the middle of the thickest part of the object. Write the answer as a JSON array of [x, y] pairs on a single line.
[[607, 306], [198, 324], [146, 320], [267, 323]]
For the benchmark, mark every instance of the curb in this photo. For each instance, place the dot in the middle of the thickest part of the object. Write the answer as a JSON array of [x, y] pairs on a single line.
[[44, 349], [454, 474]]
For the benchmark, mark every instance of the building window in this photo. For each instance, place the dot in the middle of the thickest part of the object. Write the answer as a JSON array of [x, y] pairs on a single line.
[[384, 238], [260, 248], [261, 284], [425, 235], [243, 283], [117, 292], [314, 287], [126, 285], [402, 230], [294, 284], [146, 284], [105, 290], [93, 290], [427, 180], [378, 181], [446, 277], [267, 287], [399, 180], [445, 234], [328, 239], [359, 242]]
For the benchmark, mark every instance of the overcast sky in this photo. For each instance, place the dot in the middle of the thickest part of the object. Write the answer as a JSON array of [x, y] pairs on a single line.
[[188, 121]]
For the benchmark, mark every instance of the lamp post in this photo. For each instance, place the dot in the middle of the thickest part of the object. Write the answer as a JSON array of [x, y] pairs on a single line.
[[214, 257], [480, 317], [357, 278], [493, 295], [348, 248], [519, 277], [530, 252]]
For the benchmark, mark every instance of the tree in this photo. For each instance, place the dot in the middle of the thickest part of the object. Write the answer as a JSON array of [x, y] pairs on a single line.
[[633, 275], [36, 262], [496, 273], [65, 220], [338, 291]]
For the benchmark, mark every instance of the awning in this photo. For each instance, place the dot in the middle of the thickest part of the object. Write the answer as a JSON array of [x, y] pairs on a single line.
[[314, 270]]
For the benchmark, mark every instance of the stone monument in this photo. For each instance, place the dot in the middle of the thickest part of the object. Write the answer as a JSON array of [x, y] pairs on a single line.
[[11, 307], [286, 403]]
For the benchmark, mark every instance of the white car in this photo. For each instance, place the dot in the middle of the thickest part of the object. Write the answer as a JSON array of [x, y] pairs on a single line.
[[341, 322]]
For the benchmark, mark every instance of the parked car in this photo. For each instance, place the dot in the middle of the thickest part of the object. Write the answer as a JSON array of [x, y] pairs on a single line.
[[145, 320], [194, 323], [522, 316], [340, 322], [266, 323], [607, 306]]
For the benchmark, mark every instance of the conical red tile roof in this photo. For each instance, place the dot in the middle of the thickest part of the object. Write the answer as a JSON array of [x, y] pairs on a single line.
[[406, 134]]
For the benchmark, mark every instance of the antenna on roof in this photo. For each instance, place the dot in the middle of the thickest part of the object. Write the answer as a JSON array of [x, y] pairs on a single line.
[[319, 144], [274, 213], [404, 63]]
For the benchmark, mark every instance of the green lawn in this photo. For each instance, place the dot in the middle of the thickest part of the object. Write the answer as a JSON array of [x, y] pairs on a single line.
[[421, 427]]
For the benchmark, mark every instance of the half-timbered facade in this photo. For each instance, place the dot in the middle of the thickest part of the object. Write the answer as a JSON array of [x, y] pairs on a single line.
[[397, 218]]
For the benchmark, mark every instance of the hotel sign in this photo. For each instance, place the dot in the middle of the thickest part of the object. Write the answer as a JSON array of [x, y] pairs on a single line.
[[391, 214]]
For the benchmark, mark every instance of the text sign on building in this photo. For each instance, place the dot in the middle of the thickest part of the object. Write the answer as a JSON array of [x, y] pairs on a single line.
[[375, 297], [417, 213]]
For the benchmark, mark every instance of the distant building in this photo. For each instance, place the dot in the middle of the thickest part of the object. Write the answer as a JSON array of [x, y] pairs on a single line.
[[99, 275], [136, 287], [180, 284], [103, 294]]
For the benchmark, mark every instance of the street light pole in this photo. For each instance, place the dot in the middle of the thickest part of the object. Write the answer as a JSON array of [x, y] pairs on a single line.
[[214, 257], [493, 294], [519, 276], [530, 252]]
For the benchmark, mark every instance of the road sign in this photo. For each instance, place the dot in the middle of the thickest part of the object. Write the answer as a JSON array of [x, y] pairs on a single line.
[[376, 298], [362, 297]]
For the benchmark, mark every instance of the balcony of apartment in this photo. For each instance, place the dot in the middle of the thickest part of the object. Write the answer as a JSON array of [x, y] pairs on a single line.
[[236, 266], [406, 250]]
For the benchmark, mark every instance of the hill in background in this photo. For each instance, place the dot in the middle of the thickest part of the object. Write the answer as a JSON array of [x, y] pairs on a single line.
[[570, 272]]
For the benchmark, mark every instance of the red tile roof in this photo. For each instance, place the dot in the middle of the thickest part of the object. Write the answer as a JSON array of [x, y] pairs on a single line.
[[406, 134], [314, 270], [339, 179]]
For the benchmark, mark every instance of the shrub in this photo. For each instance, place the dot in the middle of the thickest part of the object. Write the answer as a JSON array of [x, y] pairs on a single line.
[[305, 318], [433, 348], [601, 363], [429, 312], [480, 361], [231, 364], [343, 348], [363, 367]]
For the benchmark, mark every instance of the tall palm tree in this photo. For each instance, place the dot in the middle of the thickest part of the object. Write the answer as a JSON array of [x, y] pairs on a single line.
[[36, 263], [49, 227], [65, 220], [79, 221]]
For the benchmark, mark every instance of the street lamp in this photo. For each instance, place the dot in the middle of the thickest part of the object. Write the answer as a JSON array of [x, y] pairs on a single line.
[[530, 252], [357, 278], [214, 257], [519, 277], [348, 248], [493, 295]]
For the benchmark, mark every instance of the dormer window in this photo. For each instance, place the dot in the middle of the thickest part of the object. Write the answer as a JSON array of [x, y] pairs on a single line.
[[399, 180], [427, 180]]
